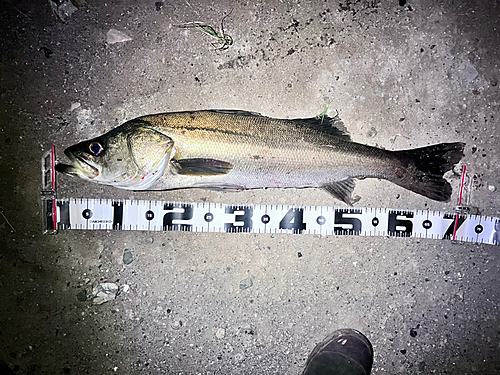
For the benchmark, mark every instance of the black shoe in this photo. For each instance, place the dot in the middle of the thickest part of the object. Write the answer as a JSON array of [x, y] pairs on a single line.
[[345, 352]]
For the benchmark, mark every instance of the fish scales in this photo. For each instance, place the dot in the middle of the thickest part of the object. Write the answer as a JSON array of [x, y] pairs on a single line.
[[263, 144]]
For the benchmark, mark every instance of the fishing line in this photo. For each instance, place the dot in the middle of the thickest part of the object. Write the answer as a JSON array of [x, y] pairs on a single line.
[[148, 215]]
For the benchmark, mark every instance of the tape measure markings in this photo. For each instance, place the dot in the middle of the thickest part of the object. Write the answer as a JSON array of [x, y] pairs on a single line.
[[108, 214]]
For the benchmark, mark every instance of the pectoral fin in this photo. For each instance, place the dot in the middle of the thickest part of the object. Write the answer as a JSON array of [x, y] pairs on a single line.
[[342, 190], [202, 167]]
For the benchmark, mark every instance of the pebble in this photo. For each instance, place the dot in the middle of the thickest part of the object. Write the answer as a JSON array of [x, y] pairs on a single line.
[[220, 333], [114, 36], [492, 188], [74, 106], [82, 295], [469, 74], [372, 132], [104, 292], [128, 257], [246, 283]]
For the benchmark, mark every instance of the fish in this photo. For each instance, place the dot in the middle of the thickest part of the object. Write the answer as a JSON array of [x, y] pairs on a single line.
[[238, 150]]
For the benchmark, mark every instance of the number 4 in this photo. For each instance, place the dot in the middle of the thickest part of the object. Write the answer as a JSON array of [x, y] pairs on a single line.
[[293, 220]]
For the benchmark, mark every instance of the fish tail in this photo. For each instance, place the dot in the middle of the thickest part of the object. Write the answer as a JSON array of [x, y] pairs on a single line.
[[424, 169]]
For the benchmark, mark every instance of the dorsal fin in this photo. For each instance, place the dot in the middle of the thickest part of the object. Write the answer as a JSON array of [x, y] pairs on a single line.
[[326, 124]]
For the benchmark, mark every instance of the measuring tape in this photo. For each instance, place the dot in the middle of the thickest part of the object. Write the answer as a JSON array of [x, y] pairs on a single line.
[[109, 214]]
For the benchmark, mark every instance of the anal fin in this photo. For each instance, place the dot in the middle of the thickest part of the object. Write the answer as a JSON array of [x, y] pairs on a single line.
[[342, 190]]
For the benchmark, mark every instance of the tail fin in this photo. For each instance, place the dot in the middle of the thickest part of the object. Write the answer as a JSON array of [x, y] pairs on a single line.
[[425, 168]]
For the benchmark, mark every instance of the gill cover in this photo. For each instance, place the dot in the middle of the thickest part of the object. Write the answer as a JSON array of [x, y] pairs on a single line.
[[148, 148]]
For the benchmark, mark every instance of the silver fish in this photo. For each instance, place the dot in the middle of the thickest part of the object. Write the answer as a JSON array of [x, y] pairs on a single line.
[[228, 149]]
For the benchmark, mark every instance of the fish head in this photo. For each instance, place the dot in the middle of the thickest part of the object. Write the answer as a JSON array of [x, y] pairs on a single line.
[[132, 156]]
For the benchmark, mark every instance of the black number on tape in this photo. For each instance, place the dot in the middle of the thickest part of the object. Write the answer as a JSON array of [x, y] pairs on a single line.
[[245, 218], [64, 222], [169, 217], [451, 228], [321, 220], [340, 219], [375, 221], [294, 220], [478, 229], [265, 219], [400, 227], [117, 215], [208, 217]]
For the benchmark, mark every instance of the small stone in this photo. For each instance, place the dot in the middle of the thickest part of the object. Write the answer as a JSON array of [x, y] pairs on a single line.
[[104, 292], [64, 9], [128, 257], [82, 295], [469, 74], [220, 333], [246, 283], [413, 333], [372, 132], [126, 288], [114, 36], [492, 188], [74, 106]]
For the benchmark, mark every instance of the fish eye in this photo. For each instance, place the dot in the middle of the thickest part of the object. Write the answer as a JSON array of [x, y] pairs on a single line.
[[95, 148]]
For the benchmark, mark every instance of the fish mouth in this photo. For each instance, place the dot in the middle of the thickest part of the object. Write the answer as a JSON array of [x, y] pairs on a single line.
[[80, 167]]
